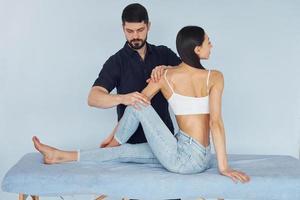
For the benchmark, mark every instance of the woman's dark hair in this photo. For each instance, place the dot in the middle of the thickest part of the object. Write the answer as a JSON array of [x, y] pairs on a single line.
[[135, 13], [187, 39]]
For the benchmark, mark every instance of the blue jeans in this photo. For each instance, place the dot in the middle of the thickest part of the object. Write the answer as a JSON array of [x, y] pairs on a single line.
[[179, 154]]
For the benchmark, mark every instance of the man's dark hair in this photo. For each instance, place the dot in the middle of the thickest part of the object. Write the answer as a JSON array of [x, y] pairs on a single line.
[[135, 13]]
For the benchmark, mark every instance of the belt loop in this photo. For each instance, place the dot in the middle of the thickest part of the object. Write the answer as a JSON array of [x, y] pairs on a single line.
[[190, 140], [176, 133]]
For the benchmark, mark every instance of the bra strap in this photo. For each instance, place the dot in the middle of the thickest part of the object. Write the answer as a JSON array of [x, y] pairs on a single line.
[[165, 75], [207, 80]]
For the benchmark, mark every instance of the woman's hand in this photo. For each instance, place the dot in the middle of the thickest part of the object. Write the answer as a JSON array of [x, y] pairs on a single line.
[[235, 175]]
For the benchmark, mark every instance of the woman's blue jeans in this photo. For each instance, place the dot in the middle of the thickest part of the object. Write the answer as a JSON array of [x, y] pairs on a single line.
[[179, 153]]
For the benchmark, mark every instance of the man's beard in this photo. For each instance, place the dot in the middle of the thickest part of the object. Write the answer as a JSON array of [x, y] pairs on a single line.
[[137, 44]]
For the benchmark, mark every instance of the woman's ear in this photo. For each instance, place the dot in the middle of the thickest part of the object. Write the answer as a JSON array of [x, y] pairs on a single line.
[[197, 50]]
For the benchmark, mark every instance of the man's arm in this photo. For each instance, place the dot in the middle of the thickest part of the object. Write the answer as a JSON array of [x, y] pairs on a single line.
[[99, 97]]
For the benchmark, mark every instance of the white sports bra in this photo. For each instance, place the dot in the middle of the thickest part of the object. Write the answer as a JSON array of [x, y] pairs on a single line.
[[187, 105]]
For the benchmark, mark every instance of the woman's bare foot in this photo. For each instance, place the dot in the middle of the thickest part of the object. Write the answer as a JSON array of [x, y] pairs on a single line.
[[51, 154]]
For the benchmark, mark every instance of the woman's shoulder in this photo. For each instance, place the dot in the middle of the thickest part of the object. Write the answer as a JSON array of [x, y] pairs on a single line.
[[216, 79], [216, 74], [209, 73]]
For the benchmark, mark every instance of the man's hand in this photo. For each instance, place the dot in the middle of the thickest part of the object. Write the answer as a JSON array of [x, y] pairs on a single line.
[[157, 73], [110, 140], [235, 175], [107, 140], [134, 99]]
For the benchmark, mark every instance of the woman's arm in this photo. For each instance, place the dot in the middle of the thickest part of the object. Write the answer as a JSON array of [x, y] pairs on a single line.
[[216, 122], [217, 128], [152, 88]]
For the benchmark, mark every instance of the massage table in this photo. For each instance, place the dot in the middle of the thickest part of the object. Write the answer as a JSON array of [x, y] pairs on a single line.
[[272, 177]]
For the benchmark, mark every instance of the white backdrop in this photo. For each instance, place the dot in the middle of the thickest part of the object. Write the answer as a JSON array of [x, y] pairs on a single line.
[[52, 51]]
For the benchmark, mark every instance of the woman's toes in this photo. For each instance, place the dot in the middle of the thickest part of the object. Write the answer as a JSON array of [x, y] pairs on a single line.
[[36, 143]]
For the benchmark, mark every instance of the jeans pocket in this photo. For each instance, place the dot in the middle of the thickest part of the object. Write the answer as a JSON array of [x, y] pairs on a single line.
[[183, 156], [190, 161], [198, 162], [208, 160]]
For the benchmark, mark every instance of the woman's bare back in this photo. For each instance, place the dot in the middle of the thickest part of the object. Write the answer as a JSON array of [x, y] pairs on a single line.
[[189, 82]]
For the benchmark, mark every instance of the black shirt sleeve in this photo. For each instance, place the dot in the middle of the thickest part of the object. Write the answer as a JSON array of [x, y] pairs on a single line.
[[109, 75], [173, 59]]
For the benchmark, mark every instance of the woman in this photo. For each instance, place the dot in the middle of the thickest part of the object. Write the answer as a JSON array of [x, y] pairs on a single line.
[[195, 95]]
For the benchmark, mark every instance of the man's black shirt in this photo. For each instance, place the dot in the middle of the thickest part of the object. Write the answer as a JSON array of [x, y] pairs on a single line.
[[128, 72]]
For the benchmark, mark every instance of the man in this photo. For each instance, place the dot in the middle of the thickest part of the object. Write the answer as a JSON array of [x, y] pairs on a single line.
[[129, 69]]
